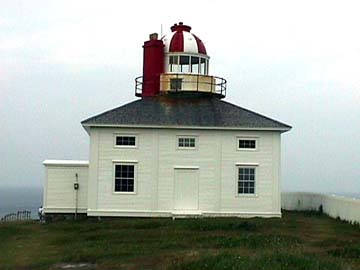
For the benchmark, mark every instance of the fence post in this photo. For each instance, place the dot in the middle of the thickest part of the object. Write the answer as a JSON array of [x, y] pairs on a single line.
[[19, 215]]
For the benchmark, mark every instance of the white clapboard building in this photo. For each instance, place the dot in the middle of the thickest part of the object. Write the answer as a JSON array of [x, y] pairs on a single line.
[[178, 150]]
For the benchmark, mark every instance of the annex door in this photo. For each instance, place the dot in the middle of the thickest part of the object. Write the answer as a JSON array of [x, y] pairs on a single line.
[[186, 189]]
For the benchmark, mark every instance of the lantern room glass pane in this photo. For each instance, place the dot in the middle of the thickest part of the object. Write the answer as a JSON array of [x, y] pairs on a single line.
[[174, 63], [194, 64], [203, 66], [184, 64]]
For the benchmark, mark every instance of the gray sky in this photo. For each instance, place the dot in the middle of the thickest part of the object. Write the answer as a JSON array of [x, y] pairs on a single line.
[[295, 61]]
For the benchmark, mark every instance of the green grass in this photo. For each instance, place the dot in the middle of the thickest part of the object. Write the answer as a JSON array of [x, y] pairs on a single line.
[[299, 240]]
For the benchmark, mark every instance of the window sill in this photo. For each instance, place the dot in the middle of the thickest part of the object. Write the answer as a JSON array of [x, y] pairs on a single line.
[[246, 195], [126, 146], [124, 161], [247, 149], [124, 193]]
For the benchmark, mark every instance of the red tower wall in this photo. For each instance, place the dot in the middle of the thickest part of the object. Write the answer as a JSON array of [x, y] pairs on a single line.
[[153, 66]]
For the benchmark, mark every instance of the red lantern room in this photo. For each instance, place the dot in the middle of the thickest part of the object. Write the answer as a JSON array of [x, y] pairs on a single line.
[[177, 63]]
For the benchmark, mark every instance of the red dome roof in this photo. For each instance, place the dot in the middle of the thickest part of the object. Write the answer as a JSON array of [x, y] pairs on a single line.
[[181, 40]]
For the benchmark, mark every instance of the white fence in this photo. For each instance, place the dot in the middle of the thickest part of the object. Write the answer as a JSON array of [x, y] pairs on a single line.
[[335, 206]]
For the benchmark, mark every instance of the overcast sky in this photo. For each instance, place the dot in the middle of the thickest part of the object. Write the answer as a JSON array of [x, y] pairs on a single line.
[[294, 61]]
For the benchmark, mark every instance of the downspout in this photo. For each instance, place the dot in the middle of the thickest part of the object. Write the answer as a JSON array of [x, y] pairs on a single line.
[[76, 188]]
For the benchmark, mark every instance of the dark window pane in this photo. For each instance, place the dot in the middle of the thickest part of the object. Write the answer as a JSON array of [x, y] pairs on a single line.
[[132, 141], [202, 65], [124, 178], [194, 64], [117, 171], [186, 142], [173, 59], [246, 182], [247, 144], [117, 185], [126, 140], [123, 173], [241, 144], [184, 60], [173, 63], [184, 63]]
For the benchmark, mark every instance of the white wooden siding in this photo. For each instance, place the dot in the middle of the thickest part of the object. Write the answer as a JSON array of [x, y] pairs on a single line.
[[157, 155], [59, 193]]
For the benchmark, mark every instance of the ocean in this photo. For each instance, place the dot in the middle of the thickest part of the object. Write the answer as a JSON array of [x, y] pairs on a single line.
[[13, 199], [353, 195]]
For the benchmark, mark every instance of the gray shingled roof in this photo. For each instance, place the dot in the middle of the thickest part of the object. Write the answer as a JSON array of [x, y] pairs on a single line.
[[199, 111]]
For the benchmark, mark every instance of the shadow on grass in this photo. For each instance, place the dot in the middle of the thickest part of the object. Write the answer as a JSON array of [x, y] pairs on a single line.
[[220, 225], [350, 251], [277, 261]]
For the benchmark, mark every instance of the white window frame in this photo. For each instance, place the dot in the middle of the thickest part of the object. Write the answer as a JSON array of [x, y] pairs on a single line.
[[124, 162], [256, 185], [126, 135], [256, 139], [185, 147], [206, 67]]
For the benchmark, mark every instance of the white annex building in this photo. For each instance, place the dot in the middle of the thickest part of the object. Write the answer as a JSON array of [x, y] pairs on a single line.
[[178, 150]]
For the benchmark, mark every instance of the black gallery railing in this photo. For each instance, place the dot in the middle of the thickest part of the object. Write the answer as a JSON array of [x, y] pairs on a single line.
[[179, 82]]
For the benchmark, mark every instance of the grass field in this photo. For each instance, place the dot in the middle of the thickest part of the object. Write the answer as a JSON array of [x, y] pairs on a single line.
[[299, 240]]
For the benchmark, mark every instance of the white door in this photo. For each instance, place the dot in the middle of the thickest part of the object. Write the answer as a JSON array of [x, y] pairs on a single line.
[[186, 190]]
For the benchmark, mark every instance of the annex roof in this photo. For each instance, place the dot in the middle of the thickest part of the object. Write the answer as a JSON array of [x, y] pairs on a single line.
[[76, 163]]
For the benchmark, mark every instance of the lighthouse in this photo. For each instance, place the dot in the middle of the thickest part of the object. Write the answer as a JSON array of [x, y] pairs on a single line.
[[179, 150], [177, 63]]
